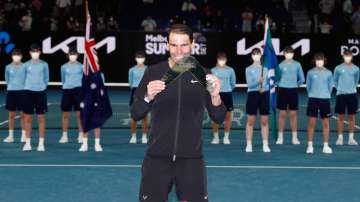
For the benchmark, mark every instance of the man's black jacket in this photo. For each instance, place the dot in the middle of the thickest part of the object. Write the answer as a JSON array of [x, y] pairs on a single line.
[[176, 113]]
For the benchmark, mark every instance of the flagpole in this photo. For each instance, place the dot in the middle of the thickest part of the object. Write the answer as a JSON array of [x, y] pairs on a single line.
[[87, 15], [272, 98], [96, 107], [264, 41], [86, 9]]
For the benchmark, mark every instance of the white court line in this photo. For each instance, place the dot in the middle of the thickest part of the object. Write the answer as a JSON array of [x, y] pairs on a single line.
[[346, 122], [7, 121], [18, 116], [2, 105], [210, 166]]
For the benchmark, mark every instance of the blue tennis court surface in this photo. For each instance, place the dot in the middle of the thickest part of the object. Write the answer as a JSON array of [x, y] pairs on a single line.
[[285, 174]]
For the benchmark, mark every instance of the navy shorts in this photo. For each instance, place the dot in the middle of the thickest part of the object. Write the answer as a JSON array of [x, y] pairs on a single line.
[[132, 93], [257, 101], [159, 174], [227, 99], [36, 101], [287, 99], [71, 99], [14, 100], [319, 105], [347, 102]]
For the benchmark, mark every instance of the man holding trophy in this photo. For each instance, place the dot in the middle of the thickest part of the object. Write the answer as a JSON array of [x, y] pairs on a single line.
[[176, 93]]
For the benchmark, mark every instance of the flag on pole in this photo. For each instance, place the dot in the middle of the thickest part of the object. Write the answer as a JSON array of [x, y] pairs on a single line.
[[95, 107], [269, 61]]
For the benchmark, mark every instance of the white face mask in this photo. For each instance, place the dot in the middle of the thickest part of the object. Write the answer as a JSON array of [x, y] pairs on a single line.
[[140, 61], [35, 55], [16, 58], [256, 57], [347, 59], [319, 63], [221, 63], [289, 56], [73, 58]]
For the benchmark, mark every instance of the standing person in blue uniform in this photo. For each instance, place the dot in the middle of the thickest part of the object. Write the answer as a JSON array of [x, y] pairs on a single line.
[[257, 100], [292, 76], [227, 78], [319, 84], [36, 81], [135, 75], [346, 78], [71, 77], [15, 82]]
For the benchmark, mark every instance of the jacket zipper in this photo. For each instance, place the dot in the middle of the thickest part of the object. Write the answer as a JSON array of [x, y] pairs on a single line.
[[177, 118]]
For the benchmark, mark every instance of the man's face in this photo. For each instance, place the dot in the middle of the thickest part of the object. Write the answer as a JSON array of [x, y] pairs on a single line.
[[179, 46]]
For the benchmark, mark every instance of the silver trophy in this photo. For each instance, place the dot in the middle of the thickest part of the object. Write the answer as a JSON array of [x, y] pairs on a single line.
[[210, 83], [189, 63]]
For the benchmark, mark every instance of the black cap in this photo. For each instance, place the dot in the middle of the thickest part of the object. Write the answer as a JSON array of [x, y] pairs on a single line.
[[35, 47]]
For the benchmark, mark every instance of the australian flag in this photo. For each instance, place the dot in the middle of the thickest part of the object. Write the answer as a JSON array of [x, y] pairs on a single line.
[[95, 106]]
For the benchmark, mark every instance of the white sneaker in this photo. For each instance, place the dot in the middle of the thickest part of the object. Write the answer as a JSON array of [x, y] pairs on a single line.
[[41, 148], [310, 150], [64, 139], [352, 142], [266, 148], [327, 150], [83, 148], [27, 147], [340, 141], [248, 148], [23, 138], [98, 148], [226, 141], [132, 140], [9, 139], [215, 140], [295, 141], [80, 139], [144, 140], [279, 141]]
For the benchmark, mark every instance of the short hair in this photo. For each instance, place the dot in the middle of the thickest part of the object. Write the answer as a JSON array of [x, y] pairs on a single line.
[[181, 29], [347, 52], [73, 51], [16, 51], [319, 56], [221, 54], [288, 49], [35, 47], [255, 51], [139, 54]]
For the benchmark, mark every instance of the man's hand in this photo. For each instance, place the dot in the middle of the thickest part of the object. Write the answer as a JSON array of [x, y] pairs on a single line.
[[261, 81], [154, 88], [215, 89]]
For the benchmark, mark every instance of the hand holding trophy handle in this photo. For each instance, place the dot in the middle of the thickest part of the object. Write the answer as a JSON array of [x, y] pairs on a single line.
[[154, 88], [212, 84]]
